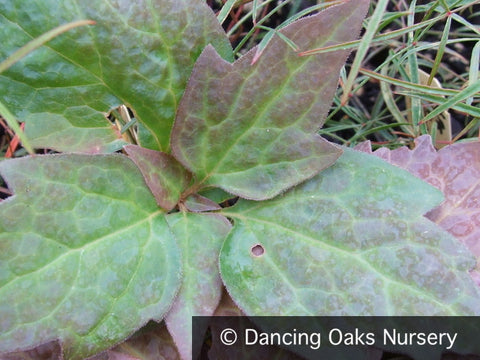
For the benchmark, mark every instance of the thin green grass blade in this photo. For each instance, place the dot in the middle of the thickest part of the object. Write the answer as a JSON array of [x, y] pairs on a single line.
[[13, 124], [423, 46], [266, 39], [226, 8], [397, 33], [39, 41], [469, 91], [441, 50], [445, 6], [255, 11], [408, 85], [421, 33], [389, 100], [289, 42], [465, 130], [243, 19], [260, 22], [310, 10], [380, 38], [415, 104], [365, 44], [474, 66], [363, 133], [433, 132], [466, 23], [461, 107]]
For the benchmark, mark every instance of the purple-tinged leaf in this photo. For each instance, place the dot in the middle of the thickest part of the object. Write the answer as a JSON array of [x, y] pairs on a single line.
[[250, 129], [455, 170], [350, 241], [200, 237], [49, 351], [113, 355], [139, 53], [198, 203], [164, 175], [86, 255]]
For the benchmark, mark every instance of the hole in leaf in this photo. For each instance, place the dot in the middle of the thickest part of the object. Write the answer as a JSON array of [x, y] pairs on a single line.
[[257, 250], [229, 202], [4, 190]]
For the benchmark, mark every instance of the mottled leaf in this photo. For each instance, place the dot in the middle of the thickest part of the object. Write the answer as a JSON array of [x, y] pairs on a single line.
[[86, 256], [250, 129], [139, 53], [200, 237], [352, 241], [164, 175], [455, 170]]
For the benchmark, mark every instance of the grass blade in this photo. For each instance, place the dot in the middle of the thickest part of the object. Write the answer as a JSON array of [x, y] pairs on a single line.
[[461, 107], [469, 91], [441, 50], [39, 41], [473, 74], [380, 38], [390, 102], [226, 8], [13, 124], [408, 85], [415, 104], [372, 27]]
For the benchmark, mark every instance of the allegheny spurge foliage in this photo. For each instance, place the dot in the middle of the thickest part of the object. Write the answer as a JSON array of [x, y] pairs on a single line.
[[95, 244]]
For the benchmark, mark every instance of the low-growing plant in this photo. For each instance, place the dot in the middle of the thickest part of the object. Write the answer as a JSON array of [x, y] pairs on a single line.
[[222, 180]]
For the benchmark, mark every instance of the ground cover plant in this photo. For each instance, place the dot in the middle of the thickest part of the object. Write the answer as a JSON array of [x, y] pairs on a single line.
[[219, 177]]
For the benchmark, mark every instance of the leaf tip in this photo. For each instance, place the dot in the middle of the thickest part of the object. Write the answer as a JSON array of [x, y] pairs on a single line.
[[257, 55]]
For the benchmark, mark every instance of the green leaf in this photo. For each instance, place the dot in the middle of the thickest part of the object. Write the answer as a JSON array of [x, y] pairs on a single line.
[[139, 53], [200, 237], [350, 241], [250, 129], [164, 175], [86, 256]]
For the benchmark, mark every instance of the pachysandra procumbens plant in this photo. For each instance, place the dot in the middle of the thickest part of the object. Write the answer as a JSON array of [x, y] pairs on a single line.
[[95, 244]]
